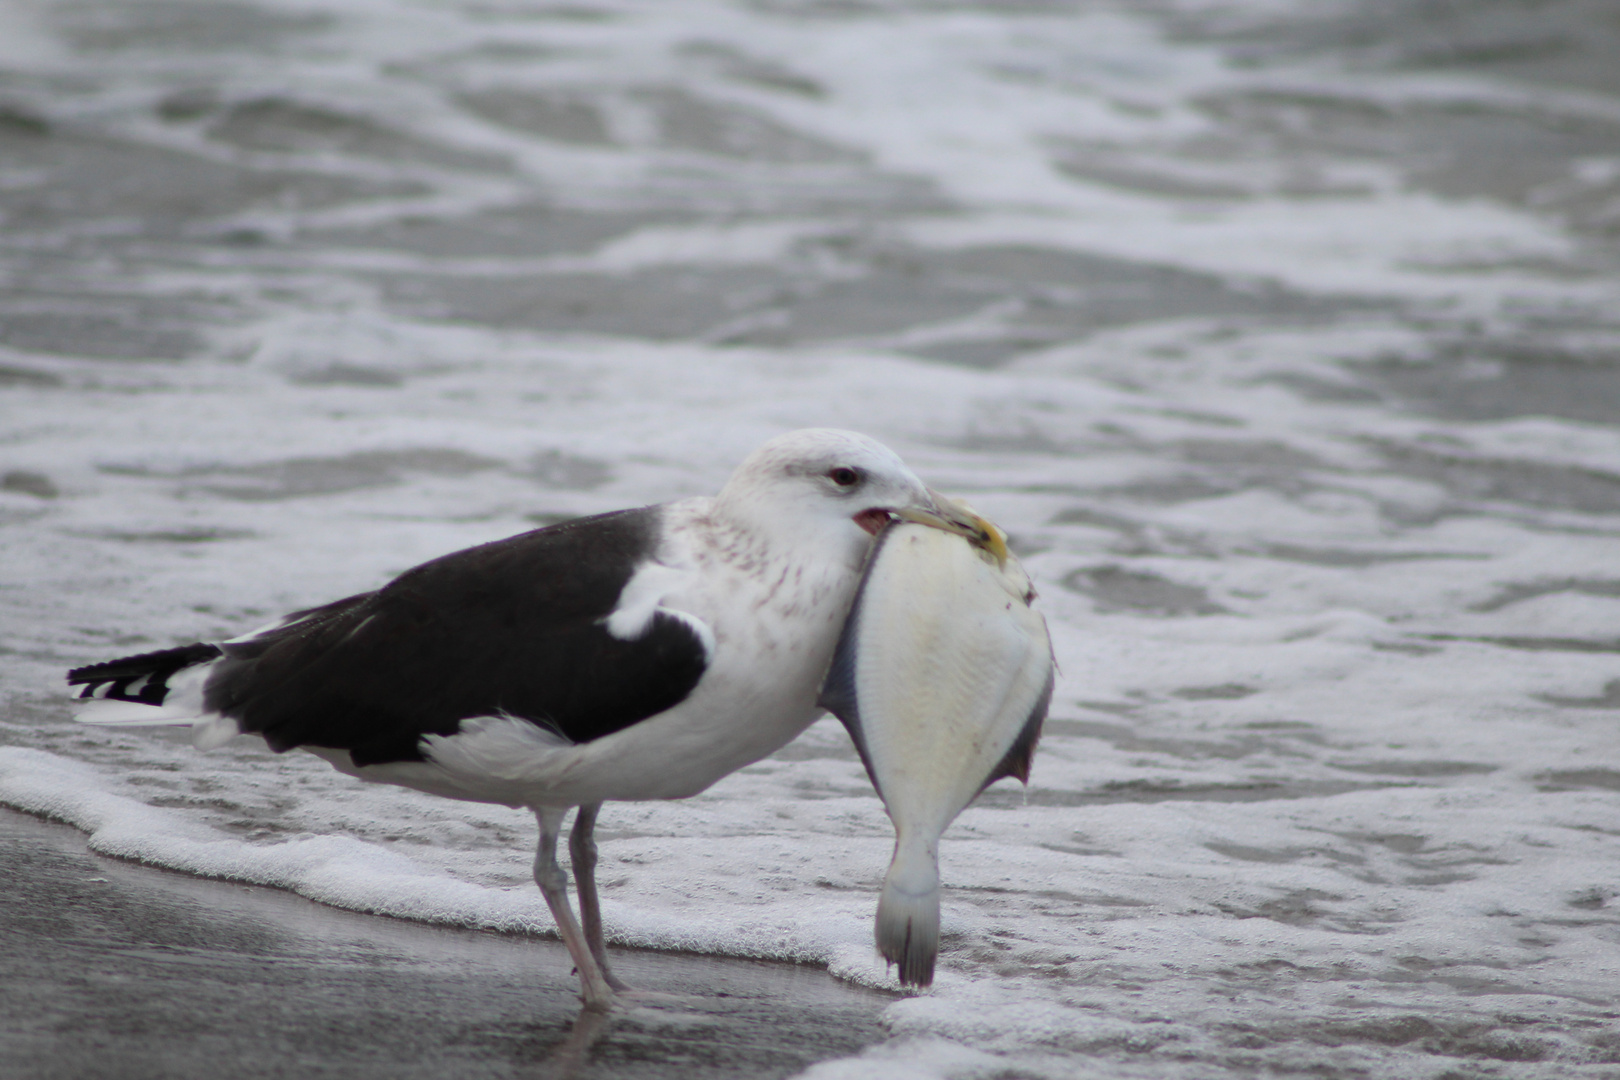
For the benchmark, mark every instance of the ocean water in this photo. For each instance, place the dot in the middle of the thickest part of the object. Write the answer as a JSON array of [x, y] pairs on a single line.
[[1283, 336]]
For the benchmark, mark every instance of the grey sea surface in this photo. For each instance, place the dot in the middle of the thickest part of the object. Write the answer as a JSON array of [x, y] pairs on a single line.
[[1283, 336]]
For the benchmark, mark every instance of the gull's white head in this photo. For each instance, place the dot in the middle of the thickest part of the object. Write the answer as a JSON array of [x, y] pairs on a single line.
[[822, 488]]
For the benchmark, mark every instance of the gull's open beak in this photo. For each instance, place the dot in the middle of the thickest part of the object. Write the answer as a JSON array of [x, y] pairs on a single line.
[[956, 517]]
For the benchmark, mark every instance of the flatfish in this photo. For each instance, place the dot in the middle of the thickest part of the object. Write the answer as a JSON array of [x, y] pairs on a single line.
[[943, 676]]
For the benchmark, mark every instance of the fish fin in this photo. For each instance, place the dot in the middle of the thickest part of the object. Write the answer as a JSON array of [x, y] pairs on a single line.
[[839, 698], [838, 692], [908, 914], [1017, 760]]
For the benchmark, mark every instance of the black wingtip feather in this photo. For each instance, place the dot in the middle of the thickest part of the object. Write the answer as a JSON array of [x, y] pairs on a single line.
[[129, 667]]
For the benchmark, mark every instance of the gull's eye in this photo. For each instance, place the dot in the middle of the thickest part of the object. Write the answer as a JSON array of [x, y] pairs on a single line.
[[844, 477]]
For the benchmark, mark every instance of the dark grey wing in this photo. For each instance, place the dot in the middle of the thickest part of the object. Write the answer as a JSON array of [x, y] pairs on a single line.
[[514, 627]]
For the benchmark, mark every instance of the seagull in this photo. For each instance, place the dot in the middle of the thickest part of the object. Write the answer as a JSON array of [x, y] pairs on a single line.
[[639, 654]]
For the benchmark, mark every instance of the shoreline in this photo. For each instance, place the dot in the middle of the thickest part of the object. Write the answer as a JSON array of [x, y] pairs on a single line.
[[113, 969]]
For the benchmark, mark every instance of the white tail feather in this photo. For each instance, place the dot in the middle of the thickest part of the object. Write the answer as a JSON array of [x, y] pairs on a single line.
[[104, 713], [214, 731], [183, 708]]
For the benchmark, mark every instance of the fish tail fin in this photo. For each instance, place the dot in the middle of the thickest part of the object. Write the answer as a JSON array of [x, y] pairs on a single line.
[[908, 913]]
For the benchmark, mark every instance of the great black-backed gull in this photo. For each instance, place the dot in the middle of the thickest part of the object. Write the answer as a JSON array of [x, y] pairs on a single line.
[[641, 654]]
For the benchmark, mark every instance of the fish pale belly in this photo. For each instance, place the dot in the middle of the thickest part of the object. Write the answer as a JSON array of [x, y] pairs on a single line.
[[942, 671], [950, 664]]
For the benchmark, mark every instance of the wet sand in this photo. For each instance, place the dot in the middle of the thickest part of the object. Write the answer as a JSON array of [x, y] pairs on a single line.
[[111, 969]]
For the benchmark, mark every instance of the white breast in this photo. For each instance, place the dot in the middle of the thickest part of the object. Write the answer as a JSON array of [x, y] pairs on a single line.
[[774, 624]]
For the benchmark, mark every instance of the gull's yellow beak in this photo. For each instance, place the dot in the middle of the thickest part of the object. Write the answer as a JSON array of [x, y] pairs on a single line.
[[957, 517]]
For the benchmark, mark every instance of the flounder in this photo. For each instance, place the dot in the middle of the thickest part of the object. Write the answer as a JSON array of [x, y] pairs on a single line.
[[943, 676]]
